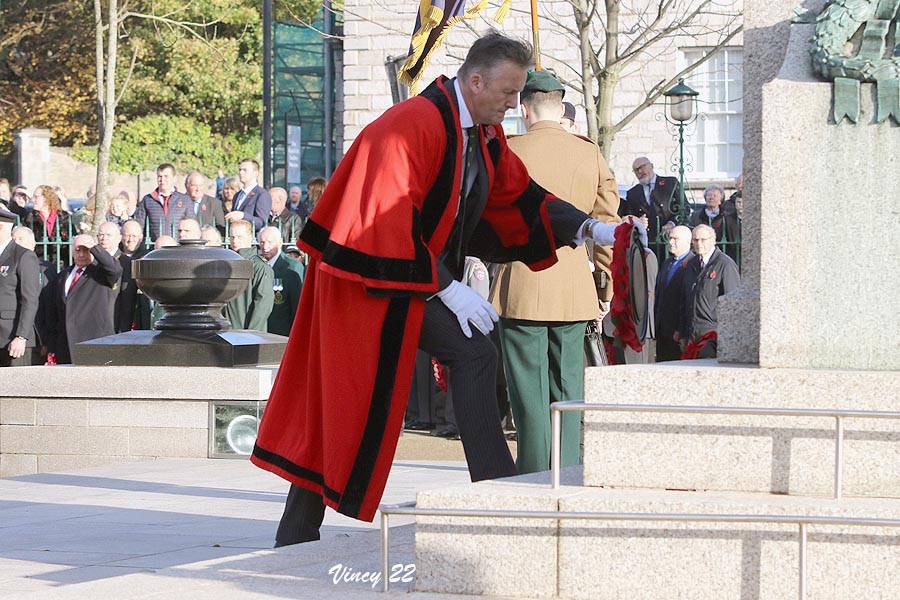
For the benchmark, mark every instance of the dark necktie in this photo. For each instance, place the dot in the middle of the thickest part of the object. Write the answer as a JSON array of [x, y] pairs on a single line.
[[672, 268], [239, 199], [472, 148], [75, 280]]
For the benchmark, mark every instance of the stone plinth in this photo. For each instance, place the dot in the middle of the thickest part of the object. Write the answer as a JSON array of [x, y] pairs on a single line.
[[452, 553], [64, 417], [231, 348], [595, 560], [741, 453], [600, 560]]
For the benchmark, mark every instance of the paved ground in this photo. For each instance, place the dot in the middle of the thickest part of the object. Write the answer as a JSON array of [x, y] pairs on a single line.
[[196, 529]]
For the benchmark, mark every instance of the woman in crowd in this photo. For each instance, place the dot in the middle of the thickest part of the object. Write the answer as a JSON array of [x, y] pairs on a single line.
[[230, 188], [51, 226]]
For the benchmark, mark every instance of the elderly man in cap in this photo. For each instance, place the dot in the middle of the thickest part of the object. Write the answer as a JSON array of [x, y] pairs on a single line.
[[543, 314], [20, 288], [84, 298]]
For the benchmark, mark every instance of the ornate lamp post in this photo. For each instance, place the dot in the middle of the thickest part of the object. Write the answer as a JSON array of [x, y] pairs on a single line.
[[681, 100]]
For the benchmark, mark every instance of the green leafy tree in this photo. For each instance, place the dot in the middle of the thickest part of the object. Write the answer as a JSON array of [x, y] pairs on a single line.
[[85, 70]]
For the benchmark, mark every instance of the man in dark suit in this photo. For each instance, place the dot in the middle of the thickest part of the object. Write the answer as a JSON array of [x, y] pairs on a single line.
[[84, 298], [109, 237], [287, 284], [206, 209], [24, 237], [710, 274], [670, 296], [252, 203], [650, 201], [20, 287]]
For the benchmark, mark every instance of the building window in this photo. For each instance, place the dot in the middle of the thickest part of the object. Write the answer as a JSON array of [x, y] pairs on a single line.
[[716, 147], [514, 121]]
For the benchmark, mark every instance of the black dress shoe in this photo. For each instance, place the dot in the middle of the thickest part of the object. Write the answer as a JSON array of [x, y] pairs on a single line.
[[446, 433], [419, 426]]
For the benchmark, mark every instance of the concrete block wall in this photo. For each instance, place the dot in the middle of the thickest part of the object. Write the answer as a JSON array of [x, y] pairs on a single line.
[[73, 422]]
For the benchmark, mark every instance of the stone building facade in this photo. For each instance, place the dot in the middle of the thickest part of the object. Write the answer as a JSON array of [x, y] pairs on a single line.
[[376, 32]]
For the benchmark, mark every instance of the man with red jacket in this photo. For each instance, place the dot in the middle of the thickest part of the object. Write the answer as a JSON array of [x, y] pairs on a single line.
[[427, 183]]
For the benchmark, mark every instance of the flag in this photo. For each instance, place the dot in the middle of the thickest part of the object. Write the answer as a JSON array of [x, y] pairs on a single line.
[[433, 22]]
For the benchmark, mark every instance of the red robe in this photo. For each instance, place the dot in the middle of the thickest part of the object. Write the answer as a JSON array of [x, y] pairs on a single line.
[[335, 412]]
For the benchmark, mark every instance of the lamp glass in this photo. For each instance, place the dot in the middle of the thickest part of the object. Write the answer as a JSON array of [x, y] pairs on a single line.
[[681, 107]]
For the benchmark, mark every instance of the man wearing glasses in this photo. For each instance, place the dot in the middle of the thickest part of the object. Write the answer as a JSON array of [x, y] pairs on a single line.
[[650, 201], [713, 274]]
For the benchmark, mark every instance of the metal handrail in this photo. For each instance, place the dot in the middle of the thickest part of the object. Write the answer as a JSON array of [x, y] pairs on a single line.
[[410, 508], [839, 415]]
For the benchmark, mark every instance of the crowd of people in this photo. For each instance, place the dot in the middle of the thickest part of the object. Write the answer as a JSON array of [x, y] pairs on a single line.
[[60, 286]]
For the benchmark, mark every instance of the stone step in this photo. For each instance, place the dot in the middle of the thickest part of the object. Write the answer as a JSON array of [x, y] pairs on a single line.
[[633, 559], [775, 454]]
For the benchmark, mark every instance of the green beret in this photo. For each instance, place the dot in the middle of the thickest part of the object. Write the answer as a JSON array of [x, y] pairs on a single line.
[[542, 81]]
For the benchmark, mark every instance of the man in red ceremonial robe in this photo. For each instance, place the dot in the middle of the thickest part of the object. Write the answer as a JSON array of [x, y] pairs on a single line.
[[427, 183]]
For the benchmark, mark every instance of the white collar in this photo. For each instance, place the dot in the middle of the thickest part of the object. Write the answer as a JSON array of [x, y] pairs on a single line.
[[465, 117], [705, 257]]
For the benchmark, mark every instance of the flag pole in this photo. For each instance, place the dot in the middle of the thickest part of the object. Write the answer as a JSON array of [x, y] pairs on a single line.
[[534, 35]]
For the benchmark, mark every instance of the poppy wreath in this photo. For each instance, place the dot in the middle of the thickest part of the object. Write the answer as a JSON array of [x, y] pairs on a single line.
[[620, 308], [692, 350], [440, 374]]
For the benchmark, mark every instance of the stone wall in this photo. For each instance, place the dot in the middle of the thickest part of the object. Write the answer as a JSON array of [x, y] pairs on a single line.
[[64, 417]]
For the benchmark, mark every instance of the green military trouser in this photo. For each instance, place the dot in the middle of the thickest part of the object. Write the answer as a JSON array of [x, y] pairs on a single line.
[[544, 363]]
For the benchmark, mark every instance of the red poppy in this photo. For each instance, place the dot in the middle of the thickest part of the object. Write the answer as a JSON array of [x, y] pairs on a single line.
[[202, 207], [490, 133], [712, 275], [440, 374], [692, 350]]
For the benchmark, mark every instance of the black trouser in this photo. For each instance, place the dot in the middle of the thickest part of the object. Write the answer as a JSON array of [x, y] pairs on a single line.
[[472, 370], [667, 349]]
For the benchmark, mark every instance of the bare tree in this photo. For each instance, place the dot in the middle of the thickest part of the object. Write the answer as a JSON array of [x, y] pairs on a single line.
[[618, 40], [108, 28]]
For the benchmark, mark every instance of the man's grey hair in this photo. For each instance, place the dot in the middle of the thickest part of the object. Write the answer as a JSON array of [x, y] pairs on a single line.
[[187, 179], [270, 228], [492, 49]]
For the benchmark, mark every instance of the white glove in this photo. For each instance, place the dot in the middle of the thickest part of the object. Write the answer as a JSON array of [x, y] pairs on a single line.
[[605, 233], [643, 233], [468, 305]]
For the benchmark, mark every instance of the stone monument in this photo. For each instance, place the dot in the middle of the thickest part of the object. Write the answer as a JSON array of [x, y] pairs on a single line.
[[814, 326], [192, 282]]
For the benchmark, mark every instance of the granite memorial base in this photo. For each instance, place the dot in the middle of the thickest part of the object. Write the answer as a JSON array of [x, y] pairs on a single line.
[[66, 417], [195, 348]]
